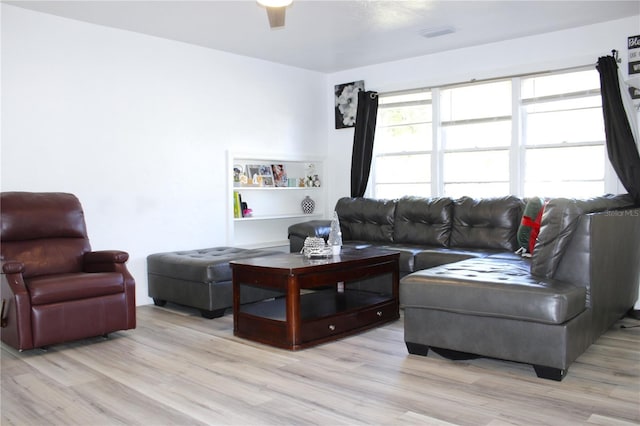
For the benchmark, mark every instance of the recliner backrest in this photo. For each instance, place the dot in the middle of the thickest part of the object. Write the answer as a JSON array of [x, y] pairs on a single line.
[[44, 231]]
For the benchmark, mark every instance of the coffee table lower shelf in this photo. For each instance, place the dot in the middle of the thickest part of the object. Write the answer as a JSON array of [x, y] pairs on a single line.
[[325, 315]]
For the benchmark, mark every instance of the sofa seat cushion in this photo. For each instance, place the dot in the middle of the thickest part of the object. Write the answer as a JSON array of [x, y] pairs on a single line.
[[48, 289], [202, 265], [407, 255], [435, 256], [510, 255], [492, 287], [358, 244]]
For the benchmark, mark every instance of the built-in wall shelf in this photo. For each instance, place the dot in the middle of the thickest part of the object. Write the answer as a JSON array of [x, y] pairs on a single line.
[[302, 217], [262, 188], [274, 208]]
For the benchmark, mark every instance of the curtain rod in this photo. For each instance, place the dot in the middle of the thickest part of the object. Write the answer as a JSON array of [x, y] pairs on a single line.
[[485, 80]]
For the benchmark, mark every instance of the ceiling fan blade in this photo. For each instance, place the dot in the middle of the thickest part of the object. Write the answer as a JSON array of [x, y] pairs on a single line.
[[276, 16]]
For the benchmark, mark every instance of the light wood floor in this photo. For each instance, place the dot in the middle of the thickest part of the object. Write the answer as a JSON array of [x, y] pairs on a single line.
[[178, 368]]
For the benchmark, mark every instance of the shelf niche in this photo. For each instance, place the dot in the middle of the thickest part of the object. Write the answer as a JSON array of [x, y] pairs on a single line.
[[274, 208]]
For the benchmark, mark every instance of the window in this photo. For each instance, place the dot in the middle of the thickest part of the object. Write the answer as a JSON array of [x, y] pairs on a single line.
[[476, 137], [563, 135], [403, 146], [535, 135]]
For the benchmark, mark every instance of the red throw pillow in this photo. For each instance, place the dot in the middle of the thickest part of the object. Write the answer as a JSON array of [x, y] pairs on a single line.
[[530, 225]]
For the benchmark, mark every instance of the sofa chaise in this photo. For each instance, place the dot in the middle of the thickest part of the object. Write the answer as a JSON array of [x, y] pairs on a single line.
[[466, 293]]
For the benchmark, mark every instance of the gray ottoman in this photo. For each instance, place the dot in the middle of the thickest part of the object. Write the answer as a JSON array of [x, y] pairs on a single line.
[[201, 279]]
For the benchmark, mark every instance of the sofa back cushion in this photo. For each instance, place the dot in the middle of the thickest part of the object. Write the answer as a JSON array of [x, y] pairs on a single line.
[[559, 221], [366, 219], [425, 221], [490, 223]]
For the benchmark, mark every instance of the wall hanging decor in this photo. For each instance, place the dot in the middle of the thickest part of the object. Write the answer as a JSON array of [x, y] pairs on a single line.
[[346, 103]]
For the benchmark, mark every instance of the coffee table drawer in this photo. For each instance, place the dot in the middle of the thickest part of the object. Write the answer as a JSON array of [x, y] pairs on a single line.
[[384, 313], [345, 323]]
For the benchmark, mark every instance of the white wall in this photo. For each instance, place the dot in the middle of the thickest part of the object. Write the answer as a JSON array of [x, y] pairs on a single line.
[[563, 49], [138, 128]]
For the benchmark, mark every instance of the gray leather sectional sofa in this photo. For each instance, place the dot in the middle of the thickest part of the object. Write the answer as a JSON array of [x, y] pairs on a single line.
[[466, 293]]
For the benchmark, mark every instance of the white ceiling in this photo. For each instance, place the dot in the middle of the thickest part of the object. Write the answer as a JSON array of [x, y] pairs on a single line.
[[330, 36]]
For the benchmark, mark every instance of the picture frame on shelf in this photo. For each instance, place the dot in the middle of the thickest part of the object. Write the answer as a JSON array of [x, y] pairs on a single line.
[[253, 173], [279, 175], [267, 175], [260, 174]]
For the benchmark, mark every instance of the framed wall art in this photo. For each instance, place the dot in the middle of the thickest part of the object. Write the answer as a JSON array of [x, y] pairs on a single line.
[[346, 103]]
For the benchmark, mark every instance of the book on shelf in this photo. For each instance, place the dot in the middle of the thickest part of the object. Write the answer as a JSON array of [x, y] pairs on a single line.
[[237, 209]]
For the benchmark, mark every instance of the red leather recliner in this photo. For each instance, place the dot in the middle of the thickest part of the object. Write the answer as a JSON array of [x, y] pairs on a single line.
[[54, 289]]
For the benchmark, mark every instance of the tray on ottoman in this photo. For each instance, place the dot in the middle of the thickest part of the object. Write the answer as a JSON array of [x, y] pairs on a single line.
[[201, 278]]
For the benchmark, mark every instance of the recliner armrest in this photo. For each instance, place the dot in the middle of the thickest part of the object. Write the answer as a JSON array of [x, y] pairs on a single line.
[[16, 316], [106, 261], [106, 256], [114, 261], [12, 267]]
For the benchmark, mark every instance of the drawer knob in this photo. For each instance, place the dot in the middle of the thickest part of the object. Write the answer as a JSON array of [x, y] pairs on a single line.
[[379, 313], [332, 327]]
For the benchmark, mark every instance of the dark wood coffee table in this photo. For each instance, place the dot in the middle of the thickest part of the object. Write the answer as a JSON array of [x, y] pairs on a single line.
[[323, 299]]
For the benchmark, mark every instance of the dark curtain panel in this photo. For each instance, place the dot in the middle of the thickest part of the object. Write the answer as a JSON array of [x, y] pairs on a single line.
[[622, 149], [366, 116]]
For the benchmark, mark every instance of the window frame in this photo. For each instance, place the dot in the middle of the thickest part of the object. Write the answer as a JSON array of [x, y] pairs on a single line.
[[516, 149]]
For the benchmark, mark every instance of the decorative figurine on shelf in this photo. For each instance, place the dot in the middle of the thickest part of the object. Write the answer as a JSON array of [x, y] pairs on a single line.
[[335, 235], [310, 170], [237, 171]]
